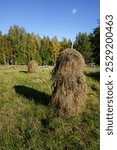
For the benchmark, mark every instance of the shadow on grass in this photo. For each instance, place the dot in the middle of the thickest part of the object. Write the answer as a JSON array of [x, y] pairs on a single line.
[[23, 71], [30, 93], [94, 75]]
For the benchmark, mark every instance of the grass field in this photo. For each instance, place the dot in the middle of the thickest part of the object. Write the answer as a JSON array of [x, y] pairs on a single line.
[[28, 122]]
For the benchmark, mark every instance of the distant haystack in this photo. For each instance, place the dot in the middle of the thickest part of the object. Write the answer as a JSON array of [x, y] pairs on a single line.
[[68, 81], [32, 66]]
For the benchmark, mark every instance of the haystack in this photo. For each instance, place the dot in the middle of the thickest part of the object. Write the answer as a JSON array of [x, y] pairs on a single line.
[[32, 66], [68, 81]]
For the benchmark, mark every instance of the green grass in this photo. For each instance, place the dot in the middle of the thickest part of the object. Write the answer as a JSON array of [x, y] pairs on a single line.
[[27, 122]]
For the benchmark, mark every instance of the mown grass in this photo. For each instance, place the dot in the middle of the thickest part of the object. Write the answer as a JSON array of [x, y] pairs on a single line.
[[28, 122]]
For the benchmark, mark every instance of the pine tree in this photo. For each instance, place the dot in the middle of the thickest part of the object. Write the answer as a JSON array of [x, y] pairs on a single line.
[[83, 45]]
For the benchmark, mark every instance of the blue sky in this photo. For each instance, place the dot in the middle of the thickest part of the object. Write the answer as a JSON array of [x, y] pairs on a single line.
[[63, 18]]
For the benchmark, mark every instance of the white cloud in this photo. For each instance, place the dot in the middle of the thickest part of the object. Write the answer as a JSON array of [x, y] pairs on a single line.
[[74, 11]]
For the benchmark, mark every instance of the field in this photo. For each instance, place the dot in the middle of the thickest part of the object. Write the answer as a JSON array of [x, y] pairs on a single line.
[[28, 122]]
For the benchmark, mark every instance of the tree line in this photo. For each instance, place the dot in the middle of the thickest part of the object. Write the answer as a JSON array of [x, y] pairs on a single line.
[[19, 47]]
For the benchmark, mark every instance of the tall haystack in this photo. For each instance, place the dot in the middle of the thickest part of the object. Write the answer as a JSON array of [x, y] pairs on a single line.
[[68, 81], [32, 66]]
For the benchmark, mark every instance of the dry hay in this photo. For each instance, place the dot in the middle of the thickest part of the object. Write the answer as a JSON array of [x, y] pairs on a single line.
[[68, 81], [38, 80], [32, 66]]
